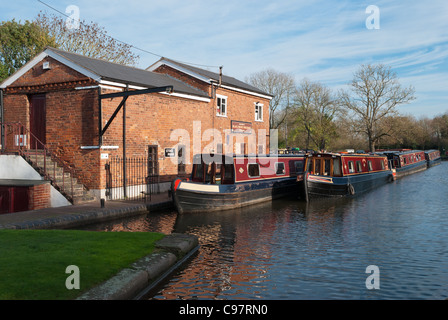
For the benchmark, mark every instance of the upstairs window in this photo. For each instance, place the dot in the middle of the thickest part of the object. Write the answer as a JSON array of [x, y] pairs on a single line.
[[221, 105], [258, 112]]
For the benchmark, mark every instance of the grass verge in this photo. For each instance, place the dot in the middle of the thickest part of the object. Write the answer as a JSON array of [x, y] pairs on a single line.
[[33, 262]]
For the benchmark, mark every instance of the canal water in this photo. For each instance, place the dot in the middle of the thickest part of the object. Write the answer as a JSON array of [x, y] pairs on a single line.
[[391, 243]]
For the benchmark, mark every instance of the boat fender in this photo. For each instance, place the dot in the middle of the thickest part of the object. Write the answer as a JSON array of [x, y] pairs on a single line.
[[351, 189]]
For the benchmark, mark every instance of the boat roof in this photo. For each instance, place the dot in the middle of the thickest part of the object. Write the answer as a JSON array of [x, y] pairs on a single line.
[[229, 157]]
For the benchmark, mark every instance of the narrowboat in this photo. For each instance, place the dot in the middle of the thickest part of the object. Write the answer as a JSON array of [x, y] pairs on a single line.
[[432, 157], [406, 161], [344, 174], [222, 182]]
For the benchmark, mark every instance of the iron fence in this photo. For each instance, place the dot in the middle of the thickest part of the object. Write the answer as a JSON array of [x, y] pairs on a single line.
[[131, 178]]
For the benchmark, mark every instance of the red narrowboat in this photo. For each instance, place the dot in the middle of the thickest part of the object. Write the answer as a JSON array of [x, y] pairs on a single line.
[[406, 161], [221, 182]]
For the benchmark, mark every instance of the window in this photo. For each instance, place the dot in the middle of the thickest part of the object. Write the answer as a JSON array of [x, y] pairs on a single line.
[[351, 167], [358, 166], [258, 112], [253, 170], [221, 105], [327, 167], [317, 166], [279, 168], [181, 159], [369, 163], [336, 167], [299, 166], [228, 173]]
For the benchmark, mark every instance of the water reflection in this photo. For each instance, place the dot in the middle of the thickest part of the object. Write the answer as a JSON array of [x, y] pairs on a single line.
[[290, 249]]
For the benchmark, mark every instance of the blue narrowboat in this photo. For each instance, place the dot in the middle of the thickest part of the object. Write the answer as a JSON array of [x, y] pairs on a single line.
[[433, 157], [344, 174], [221, 182]]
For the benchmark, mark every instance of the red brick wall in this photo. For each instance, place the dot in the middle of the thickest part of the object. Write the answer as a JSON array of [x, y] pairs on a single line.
[[39, 196]]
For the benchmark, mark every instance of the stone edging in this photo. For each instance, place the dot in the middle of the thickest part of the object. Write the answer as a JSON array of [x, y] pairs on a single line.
[[144, 274]]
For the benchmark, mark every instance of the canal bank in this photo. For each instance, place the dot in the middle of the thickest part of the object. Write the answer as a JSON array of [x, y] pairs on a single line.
[[142, 276], [83, 214]]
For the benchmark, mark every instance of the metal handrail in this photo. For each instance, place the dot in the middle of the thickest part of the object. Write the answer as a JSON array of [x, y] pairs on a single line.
[[17, 139]]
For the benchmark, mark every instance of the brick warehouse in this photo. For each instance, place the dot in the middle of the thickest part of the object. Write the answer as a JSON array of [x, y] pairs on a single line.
[[81, 111]]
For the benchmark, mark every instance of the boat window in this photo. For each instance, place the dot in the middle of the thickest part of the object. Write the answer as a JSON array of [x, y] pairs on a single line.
[[253, 170], [382, 165], [228, 173], [279, 168], [298, 166], [198, 173], [208, 173], [336, 167], [358, 166], [317, 166], [369, 163], [327, 167], [351, 167], [218, 173], [309, 164]]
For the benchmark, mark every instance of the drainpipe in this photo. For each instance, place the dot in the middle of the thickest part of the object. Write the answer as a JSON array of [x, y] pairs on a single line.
[[2, 136]]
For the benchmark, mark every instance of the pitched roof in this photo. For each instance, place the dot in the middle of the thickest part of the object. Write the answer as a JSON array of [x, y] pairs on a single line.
[[208, 76], [107, 71]]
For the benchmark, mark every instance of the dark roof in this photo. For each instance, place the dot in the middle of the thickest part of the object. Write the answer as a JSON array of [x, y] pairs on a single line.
[[226, 80], [128, 75]]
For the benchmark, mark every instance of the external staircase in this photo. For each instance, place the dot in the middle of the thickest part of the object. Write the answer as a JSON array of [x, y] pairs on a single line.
[[62, 179], [17, 139]]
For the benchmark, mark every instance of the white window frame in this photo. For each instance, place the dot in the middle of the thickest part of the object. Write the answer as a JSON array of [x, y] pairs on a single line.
[[221, 98], [258, 114]]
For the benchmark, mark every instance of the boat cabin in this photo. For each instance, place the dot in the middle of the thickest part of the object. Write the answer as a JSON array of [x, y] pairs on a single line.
[[402, 159], [225, 169], [339, 165]]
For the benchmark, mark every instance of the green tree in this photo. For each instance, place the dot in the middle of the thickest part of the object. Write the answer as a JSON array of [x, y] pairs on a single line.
[[19, 43]]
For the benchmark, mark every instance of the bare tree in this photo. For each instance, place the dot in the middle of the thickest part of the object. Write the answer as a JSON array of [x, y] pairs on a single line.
[[88, 39], [315, 108], [376, 93], [278, 84]]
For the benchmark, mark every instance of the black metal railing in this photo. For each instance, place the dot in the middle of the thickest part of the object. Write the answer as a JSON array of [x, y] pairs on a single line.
[[131, 178]]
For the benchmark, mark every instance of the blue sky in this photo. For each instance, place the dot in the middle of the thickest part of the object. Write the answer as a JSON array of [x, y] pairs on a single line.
[[323, 41]]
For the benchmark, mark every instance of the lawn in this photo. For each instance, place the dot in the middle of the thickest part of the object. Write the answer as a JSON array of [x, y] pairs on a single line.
[[33, 262]]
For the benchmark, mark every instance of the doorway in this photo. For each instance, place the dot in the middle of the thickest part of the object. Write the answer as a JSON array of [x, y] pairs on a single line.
[[37, 121]]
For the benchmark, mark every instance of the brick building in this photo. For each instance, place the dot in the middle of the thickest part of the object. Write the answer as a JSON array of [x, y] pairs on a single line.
[[85, 112]]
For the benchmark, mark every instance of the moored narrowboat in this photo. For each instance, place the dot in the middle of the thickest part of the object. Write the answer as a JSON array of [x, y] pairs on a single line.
[[221, 182], [343, 174], [406, 161], [432, 157]]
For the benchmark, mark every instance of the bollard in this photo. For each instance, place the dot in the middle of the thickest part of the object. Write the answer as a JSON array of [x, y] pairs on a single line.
[[102, 201]]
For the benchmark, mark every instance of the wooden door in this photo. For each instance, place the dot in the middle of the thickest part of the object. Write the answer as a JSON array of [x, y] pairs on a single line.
[[37, 121]]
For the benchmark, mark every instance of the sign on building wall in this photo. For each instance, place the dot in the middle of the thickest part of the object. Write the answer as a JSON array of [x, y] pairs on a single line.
[[170, 152], [241, 127]]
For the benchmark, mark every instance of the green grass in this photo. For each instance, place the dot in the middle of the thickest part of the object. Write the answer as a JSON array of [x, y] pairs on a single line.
[[33, 262]]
